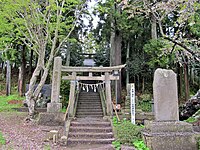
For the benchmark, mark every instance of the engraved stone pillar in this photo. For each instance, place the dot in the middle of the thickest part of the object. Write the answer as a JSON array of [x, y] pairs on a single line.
[[55, 105], [165, 95], [167, 132]]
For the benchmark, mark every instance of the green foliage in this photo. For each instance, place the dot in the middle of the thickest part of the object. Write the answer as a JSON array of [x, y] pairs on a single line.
[[117, 145], [198, 143], [126, 132], [47, 147], [115, 121], [159, 52], [2, 139], [64, 91], [5, 107], [140, 145], [144, 102], [191, 120]]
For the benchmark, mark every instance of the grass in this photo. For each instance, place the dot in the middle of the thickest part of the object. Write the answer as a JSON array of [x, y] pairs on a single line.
[[5, 106], [2, 139]]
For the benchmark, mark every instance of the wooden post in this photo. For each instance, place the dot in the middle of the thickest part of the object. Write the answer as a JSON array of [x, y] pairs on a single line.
[[108, 94], [55, 105], [72, 94], [8, 78]]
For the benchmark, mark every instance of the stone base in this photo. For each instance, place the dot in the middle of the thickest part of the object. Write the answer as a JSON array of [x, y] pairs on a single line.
[[54, 107], [169, 136], [51, 119]]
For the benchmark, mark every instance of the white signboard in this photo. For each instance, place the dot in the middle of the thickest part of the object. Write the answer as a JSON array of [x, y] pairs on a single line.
[[132, 98]]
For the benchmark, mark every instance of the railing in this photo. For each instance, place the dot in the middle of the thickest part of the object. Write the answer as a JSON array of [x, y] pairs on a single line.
[[76, 92]]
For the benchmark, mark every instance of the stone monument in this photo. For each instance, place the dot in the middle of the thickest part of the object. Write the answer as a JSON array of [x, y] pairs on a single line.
[[167, 132]]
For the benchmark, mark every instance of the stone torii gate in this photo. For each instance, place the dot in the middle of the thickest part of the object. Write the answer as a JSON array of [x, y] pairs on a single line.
[[55, 105]]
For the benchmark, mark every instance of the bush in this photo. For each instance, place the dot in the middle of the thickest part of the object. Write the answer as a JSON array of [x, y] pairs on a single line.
[[144, 103], [127, 132], [139, 145]]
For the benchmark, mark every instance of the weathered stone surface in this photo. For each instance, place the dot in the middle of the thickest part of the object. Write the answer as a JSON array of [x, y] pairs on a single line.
[[177, 126], [167, 132], [170, 141], [52, 133], [63, 140], [56, 81], [44, 96], [51, 119], [54, 107], [165, 95], [125, 147]]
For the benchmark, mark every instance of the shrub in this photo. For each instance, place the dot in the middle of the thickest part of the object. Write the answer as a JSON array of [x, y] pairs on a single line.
[[64, 92], [140, 145], [127, 132]]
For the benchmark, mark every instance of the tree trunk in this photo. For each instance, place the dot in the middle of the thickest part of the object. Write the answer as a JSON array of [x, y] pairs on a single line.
[[127, 61], [8, 78], [31, 63], [186, 81], [118, 42], [153, 27], [112, 43], [143, 81], [22, 72], [30, 99], [180, 76], [68, 58]]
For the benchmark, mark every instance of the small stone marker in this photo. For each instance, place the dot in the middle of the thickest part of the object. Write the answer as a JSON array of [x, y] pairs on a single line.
[[53, 134], [165, 95], [64, 140]]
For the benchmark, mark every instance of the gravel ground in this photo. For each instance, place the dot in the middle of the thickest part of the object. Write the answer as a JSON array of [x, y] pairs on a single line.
[[22, 135]]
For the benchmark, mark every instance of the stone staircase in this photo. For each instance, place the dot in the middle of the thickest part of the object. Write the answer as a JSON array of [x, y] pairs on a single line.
[[89, 105], [89, 127]]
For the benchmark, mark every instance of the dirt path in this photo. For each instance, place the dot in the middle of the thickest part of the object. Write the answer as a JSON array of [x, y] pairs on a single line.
[[22, 135]]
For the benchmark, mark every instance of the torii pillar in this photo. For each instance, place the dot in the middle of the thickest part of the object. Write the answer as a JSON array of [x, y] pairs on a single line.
[[55, 105]]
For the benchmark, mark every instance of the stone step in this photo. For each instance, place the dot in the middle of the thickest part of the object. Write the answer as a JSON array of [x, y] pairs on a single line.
[[92, 116], [89, 98], [89, 141], [89, 113], [91, 123], [89, 108], [90, 129], [89, 103], [84, 135], [81, 109], [89, 93]]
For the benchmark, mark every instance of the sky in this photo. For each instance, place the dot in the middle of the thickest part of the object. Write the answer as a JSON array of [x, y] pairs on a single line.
[[91, 6]]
